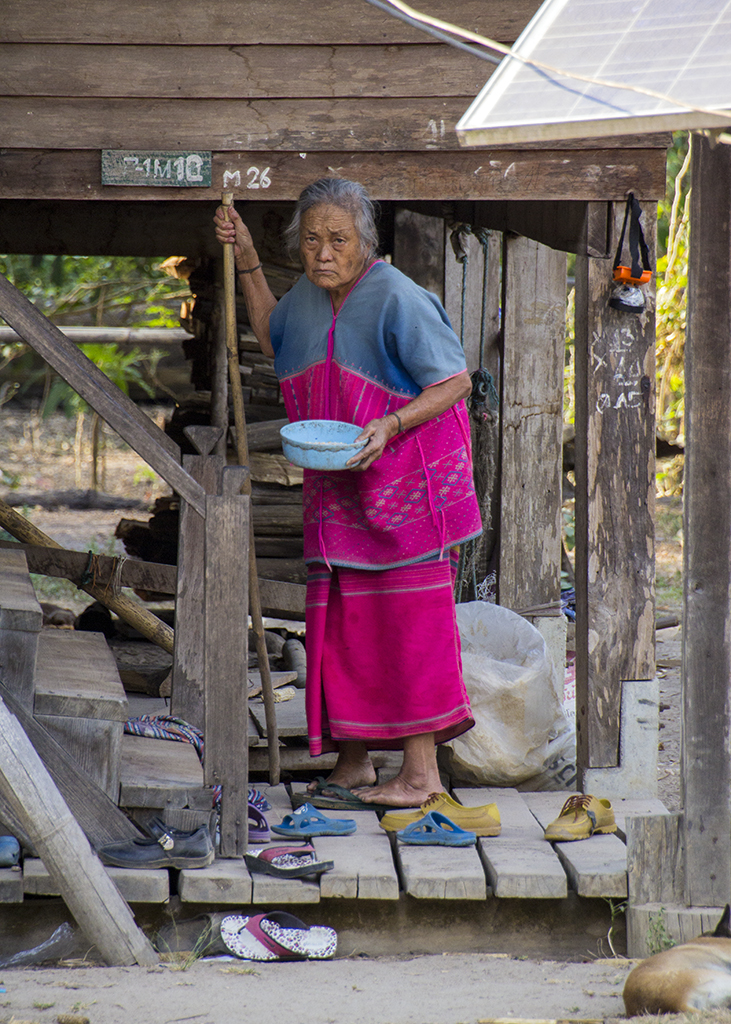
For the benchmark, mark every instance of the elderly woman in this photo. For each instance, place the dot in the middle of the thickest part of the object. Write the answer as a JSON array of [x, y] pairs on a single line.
[[356, 340]]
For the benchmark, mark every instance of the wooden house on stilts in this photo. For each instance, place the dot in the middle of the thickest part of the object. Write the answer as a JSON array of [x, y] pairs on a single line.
[[121, 126]]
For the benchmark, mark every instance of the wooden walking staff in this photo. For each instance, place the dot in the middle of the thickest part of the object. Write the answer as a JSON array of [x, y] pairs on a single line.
[[242, 449]]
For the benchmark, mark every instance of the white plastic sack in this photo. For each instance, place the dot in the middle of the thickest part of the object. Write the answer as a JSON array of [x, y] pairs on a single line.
[[518, 713]]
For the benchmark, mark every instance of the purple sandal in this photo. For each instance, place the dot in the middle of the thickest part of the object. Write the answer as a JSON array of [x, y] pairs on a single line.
[[258, 825]]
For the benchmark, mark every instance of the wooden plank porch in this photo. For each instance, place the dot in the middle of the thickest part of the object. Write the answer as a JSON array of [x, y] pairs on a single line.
[[371, 865]]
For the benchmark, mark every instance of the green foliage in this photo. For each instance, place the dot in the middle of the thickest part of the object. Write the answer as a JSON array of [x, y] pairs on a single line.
[[672, 285], [658, 939], [122, 368], [124, 291]]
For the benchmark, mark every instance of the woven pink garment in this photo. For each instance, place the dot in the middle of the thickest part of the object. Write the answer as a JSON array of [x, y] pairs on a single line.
[[417, 500], [383, 656]]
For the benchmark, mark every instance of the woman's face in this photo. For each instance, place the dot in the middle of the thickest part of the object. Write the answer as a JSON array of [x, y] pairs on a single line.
[[331, 249]]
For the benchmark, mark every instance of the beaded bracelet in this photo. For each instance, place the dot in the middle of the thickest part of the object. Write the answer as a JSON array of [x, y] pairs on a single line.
[[249, 271]]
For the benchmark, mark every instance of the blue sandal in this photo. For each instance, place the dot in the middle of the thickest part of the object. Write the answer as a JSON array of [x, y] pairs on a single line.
[[435, 829], [306, 821]]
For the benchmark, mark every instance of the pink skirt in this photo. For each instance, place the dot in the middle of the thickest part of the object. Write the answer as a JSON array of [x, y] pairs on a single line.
[[383, 656]]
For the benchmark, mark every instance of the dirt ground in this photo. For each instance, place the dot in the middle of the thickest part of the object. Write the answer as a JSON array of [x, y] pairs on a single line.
[[36, 457], [449, 989]]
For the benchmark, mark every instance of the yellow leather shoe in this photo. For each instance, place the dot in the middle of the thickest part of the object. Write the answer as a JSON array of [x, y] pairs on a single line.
[[581, 816], [483, 821]]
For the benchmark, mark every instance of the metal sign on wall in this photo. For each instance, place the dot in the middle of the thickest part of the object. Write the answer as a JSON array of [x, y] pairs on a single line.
[[167, 170]]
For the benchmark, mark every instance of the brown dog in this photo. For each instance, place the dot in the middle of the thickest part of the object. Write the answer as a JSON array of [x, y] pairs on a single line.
[[693, 976]]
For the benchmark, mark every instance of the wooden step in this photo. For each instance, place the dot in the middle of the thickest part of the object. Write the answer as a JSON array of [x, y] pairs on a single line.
[[21, 619], [80, 700], [161, 773]]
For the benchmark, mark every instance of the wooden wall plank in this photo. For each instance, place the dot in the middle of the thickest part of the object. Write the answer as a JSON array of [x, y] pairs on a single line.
[[238, 72], [615, 499], [558, 175], [705, 760], [388, 124], [534, 287], [240, 23], [418, 249]]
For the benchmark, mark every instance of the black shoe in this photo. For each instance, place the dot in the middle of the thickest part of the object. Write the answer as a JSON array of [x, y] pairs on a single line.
[[170, 848]]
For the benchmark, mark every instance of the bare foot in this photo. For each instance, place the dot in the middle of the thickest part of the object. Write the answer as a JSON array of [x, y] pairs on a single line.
[[353, 768], [399, 792], [417, 780]]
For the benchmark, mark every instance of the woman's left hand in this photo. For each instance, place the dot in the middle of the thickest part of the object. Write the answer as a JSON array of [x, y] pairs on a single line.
[[379, 433]]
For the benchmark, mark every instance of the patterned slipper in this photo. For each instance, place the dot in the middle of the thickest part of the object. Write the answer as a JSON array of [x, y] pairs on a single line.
[[277, 936], [287, 862]]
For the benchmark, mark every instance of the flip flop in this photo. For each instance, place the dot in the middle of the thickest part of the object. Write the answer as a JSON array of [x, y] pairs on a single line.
[[258, 825], [435, 829], [342, 799], [277, 936], [306, 822], [287, 862]]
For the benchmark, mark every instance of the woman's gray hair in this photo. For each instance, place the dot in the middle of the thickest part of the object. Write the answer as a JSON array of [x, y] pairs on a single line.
[[348, 195]]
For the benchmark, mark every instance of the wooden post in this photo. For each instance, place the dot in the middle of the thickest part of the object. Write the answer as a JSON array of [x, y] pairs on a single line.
[[534, 288], [189, 681], [615, 494], [87, 890], [226, 608], [705, 759]]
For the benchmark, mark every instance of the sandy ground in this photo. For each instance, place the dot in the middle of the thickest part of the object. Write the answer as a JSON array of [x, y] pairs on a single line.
[[449, 989]]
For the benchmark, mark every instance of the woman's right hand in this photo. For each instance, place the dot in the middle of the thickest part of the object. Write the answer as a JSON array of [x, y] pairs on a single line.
[[232, 230]]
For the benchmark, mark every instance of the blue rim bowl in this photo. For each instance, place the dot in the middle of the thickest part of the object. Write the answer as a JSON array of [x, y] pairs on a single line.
[[320, 444]]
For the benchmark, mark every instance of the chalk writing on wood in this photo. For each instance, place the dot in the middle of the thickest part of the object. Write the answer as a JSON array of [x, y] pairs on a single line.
[[256, 177], [168, 169], [625, 381]]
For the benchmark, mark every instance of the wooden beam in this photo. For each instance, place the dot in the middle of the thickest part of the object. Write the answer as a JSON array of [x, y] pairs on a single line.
[[388, 124], [705, 758], [238, 72], [88, 891], [143, 620], [555, 176], [534, 304], [114, 407], [240, 23], [280, 597], [615, 497], [71, 565], [100, 818]]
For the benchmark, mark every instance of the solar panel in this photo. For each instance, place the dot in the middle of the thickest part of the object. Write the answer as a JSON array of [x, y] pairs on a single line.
[[677, 48]]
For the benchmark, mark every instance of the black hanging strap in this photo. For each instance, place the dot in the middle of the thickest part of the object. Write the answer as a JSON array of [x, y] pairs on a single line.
[[637, 244]]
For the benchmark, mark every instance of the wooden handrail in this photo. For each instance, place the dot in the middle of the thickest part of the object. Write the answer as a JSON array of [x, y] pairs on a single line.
[[115, 408]]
